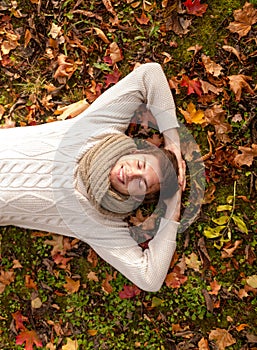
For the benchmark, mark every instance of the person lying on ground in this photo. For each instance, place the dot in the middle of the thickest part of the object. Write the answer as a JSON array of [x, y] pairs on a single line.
[[80, 177]]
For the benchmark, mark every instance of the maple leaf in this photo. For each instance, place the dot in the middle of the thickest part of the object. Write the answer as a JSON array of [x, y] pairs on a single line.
[[193, 262], [106, 287], [6, 278], [247, 155], [175, 279], [19, 319], [57, 243], [203, 344], [112, 78], [222, 337], [29, 338], [113, 54], [195, 8], [71, 286], [92, 257], [143, 19], [192, 115], [239, 82], [71, 345], [215, 287], [66, 68], [210, 66], [94, 91], [244, 19], [129, 292], [216, 117], [193, 86]]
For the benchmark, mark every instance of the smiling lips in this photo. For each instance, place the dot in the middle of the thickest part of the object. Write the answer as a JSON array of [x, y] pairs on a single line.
[[121, 176]]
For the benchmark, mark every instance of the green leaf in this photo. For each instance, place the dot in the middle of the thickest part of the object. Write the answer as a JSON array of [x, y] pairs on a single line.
[[224, 207], [222, 220], [156, 302], [210, 232], [230, 199], [240, 224]]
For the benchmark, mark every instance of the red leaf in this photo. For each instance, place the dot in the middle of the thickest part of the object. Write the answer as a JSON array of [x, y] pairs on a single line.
[[19, 319], [195, 8], [29, 338], [193, 86], [129, 292], [112, 78], [175, 278]]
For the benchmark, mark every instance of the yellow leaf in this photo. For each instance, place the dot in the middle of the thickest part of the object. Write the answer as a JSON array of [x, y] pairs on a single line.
[[192, 115], [92, 332], [224, 207], [252, 281], [210, 232], [222, 220], [156, 302], [240, 224], [71, 345]]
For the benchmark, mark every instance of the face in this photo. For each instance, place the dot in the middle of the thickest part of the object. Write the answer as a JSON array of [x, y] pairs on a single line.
[[136, 174]]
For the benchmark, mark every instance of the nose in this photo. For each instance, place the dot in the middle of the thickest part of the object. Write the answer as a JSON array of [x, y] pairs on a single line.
[[134, 174]]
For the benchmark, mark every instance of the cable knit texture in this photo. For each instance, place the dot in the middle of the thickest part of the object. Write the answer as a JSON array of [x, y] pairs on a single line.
[[40, 188]]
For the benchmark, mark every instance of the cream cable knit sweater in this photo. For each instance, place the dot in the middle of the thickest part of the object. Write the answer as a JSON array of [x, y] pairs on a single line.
[[40, 189]]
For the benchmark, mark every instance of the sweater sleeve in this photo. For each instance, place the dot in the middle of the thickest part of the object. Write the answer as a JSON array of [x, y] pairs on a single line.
[[147, 269], [146, 84]]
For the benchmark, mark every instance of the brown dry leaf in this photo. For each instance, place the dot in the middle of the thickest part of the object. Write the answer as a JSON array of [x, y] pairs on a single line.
[[72, 110], [244, 19], [55, 30], [71, 285], [203, 344], [29, 282], [242, 293], [231, 49], [10, 44], [222, 337], [101, 35], [66, 67], [2, 111], [197, 48], [92, 276], [228, 252], [57, 243], [115, 53], [106, 287], [238, 83], [16, 264], [192, 262], [175, 278], [92, 257], [143, 19], [215, 287], [109, 7], [177, 24], [246, 156], [216, 117], [28, 37], [206, 87], [210, 66], [174, 83], [192, 115], [6, 278]]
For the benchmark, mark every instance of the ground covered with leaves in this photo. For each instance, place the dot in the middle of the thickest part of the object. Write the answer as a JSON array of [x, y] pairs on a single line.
[[55, 293]]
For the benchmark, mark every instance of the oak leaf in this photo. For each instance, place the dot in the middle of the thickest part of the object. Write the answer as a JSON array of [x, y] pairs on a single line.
[[210, 66], [222, 337], [246, 156], [71, 345], [239, 82], [71, 285], [193, 86], [194, 7], [244, 19], [29, 338], [129, 292]]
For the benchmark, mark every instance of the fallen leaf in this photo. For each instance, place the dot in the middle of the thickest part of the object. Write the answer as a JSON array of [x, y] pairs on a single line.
[[92, 257], [241, 327], [71, 285], [129, 292], [192, 262], [207, 87], [252, 281], [143, 19], [101, 35], [203, 344], [216, 117], [112, 78], [222, 337], [92, 276], [19, 319], [177, 24], [246, 156], [238, 83], [66, 68], [29, 338], [244, 19], [231, 49], [193, 86], [210, 66], [215, 287], [71, 345], [115, 53], [228, 252], [240, 224], [6, 278], [192, 115], [194, 7], [36, 303], [106, 287], [55, 30], [92, 332], [175, 279], [29, 282]]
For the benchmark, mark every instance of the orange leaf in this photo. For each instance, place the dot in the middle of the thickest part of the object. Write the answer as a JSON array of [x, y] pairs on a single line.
[[29, 338], [192, 115], [92, 257], [215, 286], [71, 286], [203, 344], [242, 327], [19, 319], [29, 283], [143, 19], [107, 288], [175, 279], [244, 19]]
